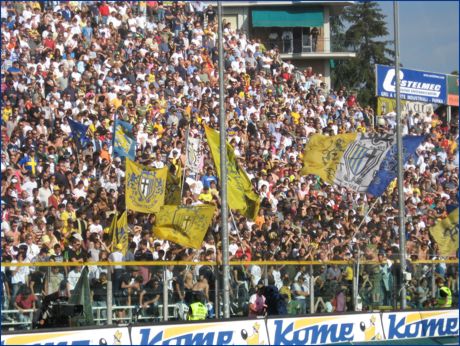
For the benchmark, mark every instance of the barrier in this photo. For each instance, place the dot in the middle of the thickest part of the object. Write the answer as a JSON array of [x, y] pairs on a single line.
[[311, 330]]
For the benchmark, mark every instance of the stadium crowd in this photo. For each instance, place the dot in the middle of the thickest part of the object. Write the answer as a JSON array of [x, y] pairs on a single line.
[[154, 65]]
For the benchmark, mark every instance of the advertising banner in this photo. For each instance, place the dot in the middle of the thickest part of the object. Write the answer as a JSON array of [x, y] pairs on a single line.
[[106, 336], [452, 90], [386, 105], [415, 85], [249, 332], [325, 329], [420, 324]]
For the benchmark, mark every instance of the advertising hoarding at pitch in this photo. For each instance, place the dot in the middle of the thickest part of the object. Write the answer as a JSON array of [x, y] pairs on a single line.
[[101, 336], [420, 324], [415, 85]]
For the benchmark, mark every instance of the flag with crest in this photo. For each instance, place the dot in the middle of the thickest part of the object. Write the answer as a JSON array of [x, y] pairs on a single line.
[[145, 187], [184, 225]]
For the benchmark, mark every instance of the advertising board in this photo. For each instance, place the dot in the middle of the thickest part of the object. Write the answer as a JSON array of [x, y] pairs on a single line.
[[420, 324], [415, 85], [308, 330], [325, 329], [249, 332], [103, 336]]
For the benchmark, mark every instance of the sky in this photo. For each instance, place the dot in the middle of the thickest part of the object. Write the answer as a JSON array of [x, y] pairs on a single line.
[[428, 34]]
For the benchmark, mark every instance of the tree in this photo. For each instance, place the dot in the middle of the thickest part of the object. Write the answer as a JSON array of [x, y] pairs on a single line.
[[365, 32]]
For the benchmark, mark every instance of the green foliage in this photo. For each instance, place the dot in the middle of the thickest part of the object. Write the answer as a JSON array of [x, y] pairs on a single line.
[[361, 28]]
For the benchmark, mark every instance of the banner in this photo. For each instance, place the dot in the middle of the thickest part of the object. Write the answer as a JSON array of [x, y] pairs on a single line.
[[184, 225], [445, 232], [82, 296], [101, 336], [124, 145], [323, 330], [420, 324], [452, 90], [350, 160], [248, 332], [389, 167], [415, 85], [145, 187], [194, 155], [241, 196], [386, 105]]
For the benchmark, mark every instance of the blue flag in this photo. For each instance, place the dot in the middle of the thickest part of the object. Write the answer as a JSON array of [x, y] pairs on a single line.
[[79, 133], [388, 169], [124, 144]]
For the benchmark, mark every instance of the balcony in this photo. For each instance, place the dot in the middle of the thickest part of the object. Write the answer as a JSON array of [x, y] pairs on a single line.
[[300, 43]]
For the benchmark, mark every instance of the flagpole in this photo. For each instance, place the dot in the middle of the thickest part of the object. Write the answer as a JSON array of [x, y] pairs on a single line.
[[402, 231], [187, 133], [223, 170]]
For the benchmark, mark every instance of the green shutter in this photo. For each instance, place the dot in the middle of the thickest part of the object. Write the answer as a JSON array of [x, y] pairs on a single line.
[[287, 17]]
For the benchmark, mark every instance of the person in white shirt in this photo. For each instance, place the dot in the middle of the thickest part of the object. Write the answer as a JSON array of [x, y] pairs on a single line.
[[96, 227], [73, 277]]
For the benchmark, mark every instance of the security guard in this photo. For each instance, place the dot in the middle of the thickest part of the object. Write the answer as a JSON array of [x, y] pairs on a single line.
[[198, 310], [445, 294]]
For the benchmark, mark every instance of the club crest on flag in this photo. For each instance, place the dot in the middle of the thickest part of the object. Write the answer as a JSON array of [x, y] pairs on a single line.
[[145, 187], [361, 159], [148, 186]]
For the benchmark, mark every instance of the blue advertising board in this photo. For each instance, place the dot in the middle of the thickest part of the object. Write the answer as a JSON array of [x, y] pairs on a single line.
[[415, 85]]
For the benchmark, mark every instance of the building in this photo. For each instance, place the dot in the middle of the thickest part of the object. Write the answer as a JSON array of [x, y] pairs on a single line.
[[300, 29]]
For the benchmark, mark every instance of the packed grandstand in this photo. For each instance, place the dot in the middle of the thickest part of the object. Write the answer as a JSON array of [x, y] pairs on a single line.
[[155, 67]]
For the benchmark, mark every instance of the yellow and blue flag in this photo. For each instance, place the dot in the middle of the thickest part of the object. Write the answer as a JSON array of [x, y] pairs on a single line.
[[389, 167], [445, 233], [124, 144], [241, 195], [184, 225], [350, 160], [145, 187], [78, 132]]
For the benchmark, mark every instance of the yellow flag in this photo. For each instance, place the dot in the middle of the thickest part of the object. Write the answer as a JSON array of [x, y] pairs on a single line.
[[120, 237], [145, 187], [173, 190], [322, 155], [241, 196], [184, 225], [445, 232], [113, 229]]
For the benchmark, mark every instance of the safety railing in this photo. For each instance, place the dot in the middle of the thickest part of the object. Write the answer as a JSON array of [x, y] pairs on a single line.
[[339, 286]]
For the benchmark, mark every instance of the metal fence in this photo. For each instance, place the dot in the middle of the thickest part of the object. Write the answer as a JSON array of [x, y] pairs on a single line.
[[334, 286]]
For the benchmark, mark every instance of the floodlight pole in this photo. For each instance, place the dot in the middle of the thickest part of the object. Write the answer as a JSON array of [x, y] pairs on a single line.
[[223, 172], [402, 230]]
